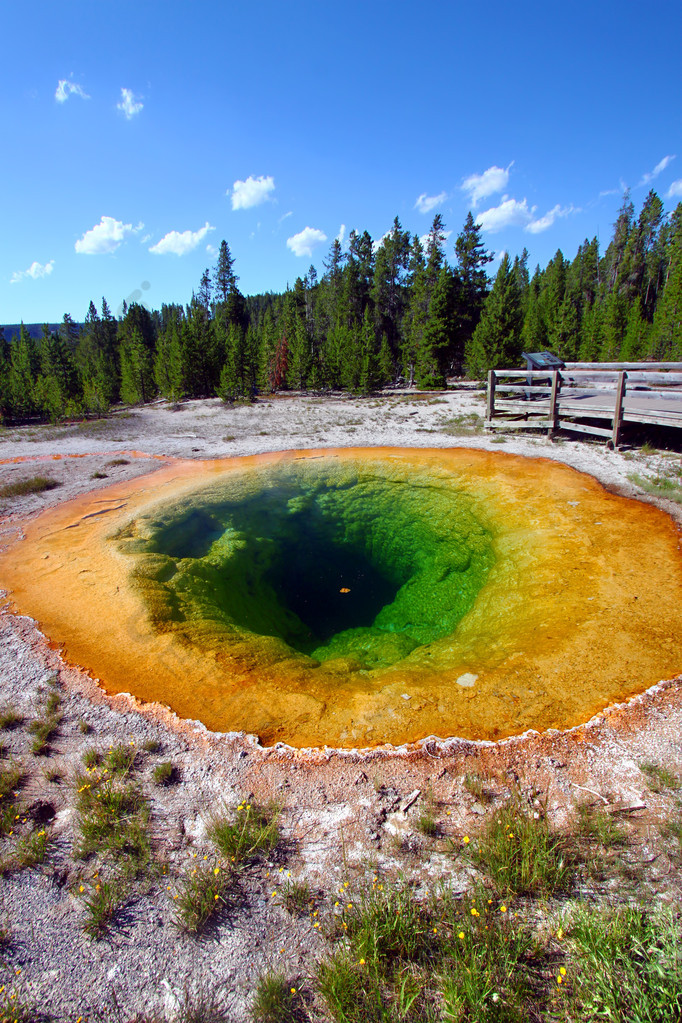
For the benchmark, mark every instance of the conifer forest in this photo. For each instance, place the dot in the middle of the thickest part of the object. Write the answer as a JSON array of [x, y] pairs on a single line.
[[395, 311]]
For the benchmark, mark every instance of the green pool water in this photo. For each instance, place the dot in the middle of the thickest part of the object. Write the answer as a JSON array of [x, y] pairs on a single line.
[[334, 559]]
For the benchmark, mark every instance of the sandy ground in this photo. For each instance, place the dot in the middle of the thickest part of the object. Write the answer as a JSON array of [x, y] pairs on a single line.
[[344, 812]]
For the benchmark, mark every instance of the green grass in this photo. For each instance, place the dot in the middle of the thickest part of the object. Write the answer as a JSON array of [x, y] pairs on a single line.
[[91, 758], [118, 461], [164, 774], [596, 825], [152, 746], [10, 780], [275, 999], [112, 820], [32, 850], [17, 1006], [102, 901], [43, 730], [120, 760], [99, 476], [659, 778], [460, 426], [297, 897], [625, 966], [659, 486], [521, 856], [9, 719], [404, 958], [34, 485], [201, 894], [248, 832], [475, 786]]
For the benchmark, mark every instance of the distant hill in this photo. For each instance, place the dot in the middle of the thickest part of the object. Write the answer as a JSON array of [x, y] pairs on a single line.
[[35, 329]]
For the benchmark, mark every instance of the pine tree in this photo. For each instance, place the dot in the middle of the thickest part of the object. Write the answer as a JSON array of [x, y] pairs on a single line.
[[224, 277], [385, 367], [170, 372], [496, 342], [436, 335], [137, 382], [369, 375], [472, 259], [666, 334], [23, 371]]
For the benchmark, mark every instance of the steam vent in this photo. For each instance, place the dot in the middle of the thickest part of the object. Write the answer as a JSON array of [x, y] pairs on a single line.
[[360, 597]]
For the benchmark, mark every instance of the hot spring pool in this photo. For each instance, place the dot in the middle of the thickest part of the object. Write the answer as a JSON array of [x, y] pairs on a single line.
[[357, 597]]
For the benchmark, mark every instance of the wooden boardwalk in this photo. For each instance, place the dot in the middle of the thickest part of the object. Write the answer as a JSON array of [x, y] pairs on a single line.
[[582, 396]]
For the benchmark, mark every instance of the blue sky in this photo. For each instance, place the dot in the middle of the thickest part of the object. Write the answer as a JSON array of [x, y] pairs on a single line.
[[137, 135]]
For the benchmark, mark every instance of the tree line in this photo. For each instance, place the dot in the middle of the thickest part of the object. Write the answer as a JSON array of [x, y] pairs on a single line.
[[388, 312]]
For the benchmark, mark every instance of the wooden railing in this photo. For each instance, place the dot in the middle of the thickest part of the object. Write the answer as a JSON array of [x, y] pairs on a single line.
[[621, 392]]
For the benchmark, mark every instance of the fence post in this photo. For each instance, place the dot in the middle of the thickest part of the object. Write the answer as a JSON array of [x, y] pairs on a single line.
[[618, 409], [552, 403], [490, 410]]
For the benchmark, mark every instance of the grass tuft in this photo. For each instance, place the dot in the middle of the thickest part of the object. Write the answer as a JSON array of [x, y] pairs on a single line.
[[112, 819], [164, 774], [9, 719], [276, 999], [102, 902], [596, 825], [248, 832], [34, 485], [475, 786], [521, 856], [120, 759], [659, 778], [202, 894]]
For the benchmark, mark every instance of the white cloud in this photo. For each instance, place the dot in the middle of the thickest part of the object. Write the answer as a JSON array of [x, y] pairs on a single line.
[[675, 190], [510, 213], [146, 238], [499, 256], [341, 235], [65, 89], [303, 243], [211, 249], [129, 105], [34, 271], [178, 243], [105, 237], [660, 166], [425, 203], [542, 223], [251, 192], [480, 186]]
